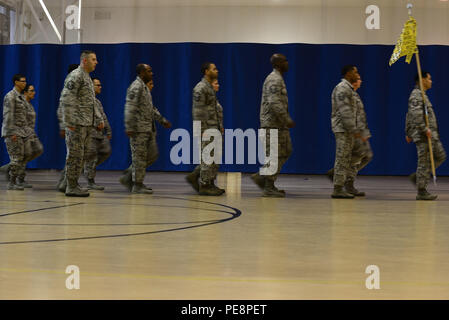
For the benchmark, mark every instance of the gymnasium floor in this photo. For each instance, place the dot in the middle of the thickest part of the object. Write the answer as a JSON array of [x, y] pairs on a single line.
[[175, 244]]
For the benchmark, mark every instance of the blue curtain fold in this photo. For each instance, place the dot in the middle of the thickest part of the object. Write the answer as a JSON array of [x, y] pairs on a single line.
[[314, 71]]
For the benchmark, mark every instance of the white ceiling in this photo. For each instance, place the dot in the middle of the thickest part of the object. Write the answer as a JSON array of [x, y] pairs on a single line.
[[330, 3]]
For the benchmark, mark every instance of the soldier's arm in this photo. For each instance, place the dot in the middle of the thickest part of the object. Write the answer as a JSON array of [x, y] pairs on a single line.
[[132, 108], [199, 109], [416, 114], [9, 104], [69, 100], [107, 126], [275, 102], [98, 116], [60, 115], [345, 109], [220, 116]]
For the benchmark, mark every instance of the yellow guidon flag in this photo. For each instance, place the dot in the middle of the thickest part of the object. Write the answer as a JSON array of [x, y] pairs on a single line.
[[406, 45]]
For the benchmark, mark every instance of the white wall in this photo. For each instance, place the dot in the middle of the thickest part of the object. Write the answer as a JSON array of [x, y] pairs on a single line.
[[261, 24]]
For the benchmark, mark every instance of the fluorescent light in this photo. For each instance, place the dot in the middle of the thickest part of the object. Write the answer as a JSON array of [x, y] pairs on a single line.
[[50, 19], [79, 14]]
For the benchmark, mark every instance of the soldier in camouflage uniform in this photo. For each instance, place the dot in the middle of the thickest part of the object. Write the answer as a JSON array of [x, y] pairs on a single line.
[[417, 131], [344, 115], [99, 147], [140, 127], [361, 152], [62, 183], [79, 112], [274, 115], [205, 109], [32, 146], [15, 130], [193, 177]]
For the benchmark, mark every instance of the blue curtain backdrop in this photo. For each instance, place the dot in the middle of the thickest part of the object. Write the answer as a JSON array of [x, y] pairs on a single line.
[[314, 71]]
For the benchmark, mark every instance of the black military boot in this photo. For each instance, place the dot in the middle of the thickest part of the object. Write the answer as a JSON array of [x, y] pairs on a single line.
[[424, 195], [271, 191], [192, 179], [91, 185], [339, 193], [12, 185], [349, 186]]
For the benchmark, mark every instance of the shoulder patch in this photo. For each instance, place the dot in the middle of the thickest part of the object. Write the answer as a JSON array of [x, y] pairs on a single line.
[[70, 85]]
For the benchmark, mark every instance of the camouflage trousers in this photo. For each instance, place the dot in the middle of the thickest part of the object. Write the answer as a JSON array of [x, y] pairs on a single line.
[[99, 150], [360, 157], [22, 151], [144, 153], [344, 145], [285, 150], [423, 171], [78, 144]]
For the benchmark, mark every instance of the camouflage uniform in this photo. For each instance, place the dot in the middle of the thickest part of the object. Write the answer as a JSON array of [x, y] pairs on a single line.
[[99, 147], [33, 147], [415, 128], [140, 116], [78, 108], [15, 123], [205, 109], [344, 126], [274, 115], [361, 151]]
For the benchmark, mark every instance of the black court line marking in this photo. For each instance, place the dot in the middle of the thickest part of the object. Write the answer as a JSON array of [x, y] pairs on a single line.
[[235, 214], [41, 209]]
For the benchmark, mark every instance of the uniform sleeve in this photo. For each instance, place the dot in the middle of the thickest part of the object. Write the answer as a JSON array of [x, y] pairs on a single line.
[[220, 115], [275, 102], [199, 109], [158, 117], [9, 105], [363, 121], [60, 115], [345, 109], [107, 126], [98, 116], [416, 113], [131, 108], [69, 99]]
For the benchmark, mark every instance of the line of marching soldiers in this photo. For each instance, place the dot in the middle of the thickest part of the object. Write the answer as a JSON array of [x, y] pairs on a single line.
[[87, 132]]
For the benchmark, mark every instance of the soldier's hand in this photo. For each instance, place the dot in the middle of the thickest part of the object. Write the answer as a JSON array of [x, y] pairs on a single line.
[[408, 139], [71, 128], [129, 133], [291, 124], [62, 133], [167, 125], [14, 138], [428, 133], [109, 137], [101, 126], [222, 130], [365, 139], [358, 135]]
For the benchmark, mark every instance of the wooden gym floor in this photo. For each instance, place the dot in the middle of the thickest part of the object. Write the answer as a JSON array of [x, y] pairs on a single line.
[[175, 244]]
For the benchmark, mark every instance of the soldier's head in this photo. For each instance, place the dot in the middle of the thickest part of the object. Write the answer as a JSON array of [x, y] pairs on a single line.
[[215, 85], [357, 83], [150, 84], [426, 80], [145, 72], [97, 85], [19, 82], [88, 60], [209, 70], [29, 92], [350, 73], [72, 67], [279, 62]]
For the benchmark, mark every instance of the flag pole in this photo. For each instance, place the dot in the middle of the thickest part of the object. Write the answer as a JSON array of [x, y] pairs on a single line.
[[426, 113]]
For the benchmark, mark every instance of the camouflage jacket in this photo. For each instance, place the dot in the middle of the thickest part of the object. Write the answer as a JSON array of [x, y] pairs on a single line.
[[60, 115], [415, 123], [344, 108], [139, 110], [274, 106], [204, 107], [99, 134], [15, 115], [361, 122], [78, 100], [31, 115]]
